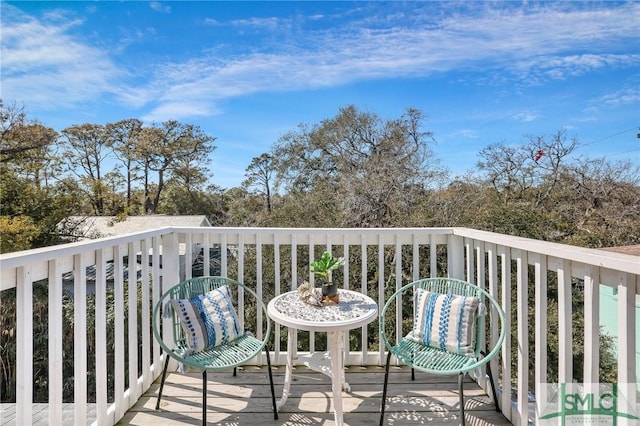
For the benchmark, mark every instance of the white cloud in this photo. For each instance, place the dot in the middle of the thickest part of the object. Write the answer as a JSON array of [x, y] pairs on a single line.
[[268, 23], [44, 62], [160, 7], [627, 95], [525, 116], [465, 133]]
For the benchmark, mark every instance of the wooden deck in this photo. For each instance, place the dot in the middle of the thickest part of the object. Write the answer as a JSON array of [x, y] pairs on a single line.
[[246, 400]]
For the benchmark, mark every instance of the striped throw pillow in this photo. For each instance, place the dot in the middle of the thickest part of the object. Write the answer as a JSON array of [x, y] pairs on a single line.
[[208, 320], [445, 321]]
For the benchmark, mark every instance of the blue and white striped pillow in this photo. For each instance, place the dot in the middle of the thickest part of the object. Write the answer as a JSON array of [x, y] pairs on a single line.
[[208, 320], [445, 321]]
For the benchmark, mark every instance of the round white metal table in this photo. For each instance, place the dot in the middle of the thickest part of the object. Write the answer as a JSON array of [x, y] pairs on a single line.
[[354, 310]]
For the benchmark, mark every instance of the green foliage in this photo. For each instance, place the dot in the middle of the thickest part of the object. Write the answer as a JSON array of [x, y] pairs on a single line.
[[17, 233], [325, 265]]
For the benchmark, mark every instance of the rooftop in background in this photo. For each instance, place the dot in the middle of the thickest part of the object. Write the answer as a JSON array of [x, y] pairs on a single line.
[[108, 226], [633, 250]]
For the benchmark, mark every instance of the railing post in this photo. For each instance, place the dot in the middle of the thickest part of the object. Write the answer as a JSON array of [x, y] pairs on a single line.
[[455, 257], [171, 277], [627, 323]]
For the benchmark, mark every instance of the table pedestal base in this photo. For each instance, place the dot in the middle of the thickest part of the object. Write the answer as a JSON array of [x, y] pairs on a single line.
[[330, 364]]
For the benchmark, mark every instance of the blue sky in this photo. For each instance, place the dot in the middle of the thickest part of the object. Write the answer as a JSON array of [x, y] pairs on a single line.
[[248, 72]]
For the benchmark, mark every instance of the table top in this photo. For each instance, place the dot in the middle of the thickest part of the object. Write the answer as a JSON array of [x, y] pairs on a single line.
[[354, 310]]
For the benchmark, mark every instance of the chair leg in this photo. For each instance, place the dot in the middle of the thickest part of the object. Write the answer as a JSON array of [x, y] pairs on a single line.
[[413, 372], [234, 371], [384, 389], [204, 398], [164, 376], [273, 392], [460, 389], [493, 387]]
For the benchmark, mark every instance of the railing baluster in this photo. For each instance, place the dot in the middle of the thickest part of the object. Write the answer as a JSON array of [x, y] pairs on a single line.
[[591, 327], [276, 291], [118, 300], [156, 292], [565, 325], [346, 284], [132, 323], [146, 307], [381, 289], [398, 274], [312, 335], [259, 283], [223, 256], [294, 277], [55, 343], [24, 347], [365, 290], [505, 279], [492, 271], [188, 256], [80, 339], [101, 338], [541, 327], [522, 278]]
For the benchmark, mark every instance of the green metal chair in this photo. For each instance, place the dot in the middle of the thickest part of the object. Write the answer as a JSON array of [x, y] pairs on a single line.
[[434, 360], [226, 356]]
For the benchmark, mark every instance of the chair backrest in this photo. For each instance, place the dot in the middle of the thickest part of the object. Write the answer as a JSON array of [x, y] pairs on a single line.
[[197, 286], [455, 287]]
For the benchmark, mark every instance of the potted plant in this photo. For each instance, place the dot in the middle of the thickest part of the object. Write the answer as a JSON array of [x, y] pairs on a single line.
[[323, 268]]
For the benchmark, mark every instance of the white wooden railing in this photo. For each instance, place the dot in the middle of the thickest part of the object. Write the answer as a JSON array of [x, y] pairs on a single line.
[[272, 259]]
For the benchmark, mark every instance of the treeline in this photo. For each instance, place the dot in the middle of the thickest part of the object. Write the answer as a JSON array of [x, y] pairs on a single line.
[[353, 170]]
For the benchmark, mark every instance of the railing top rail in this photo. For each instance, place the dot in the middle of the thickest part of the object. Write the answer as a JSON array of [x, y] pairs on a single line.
[[606, 259], [22, 258], [600, 258], [250, 230]]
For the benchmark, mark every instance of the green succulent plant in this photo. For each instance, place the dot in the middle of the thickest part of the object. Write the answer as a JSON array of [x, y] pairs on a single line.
[[325, 265]]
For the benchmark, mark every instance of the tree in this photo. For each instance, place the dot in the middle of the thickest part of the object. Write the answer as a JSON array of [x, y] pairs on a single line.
[[600, 202], [163, 148], [123, 137], [17, 233], [18, 137], [86, 150], [365, 169], [260, 175], [527, 171], [549, 156], [25, 146]]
